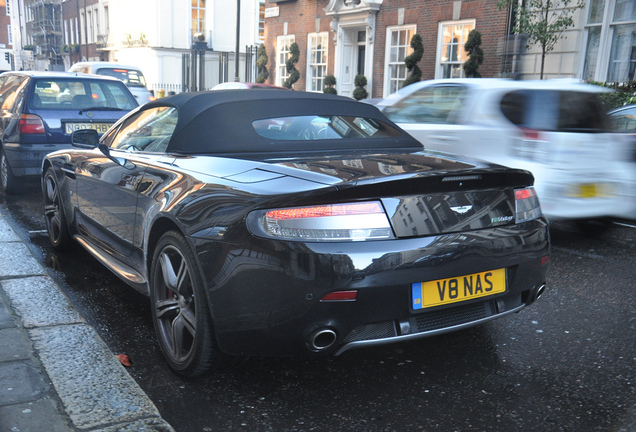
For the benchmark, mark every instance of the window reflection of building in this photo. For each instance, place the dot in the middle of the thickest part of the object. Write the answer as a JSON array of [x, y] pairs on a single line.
[[441, 213]]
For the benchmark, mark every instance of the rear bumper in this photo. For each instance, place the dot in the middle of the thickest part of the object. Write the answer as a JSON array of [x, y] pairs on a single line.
[[266, 296], [614, 193], [26, 159]]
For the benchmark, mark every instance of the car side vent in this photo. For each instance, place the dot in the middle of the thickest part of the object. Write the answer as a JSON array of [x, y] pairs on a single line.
[[462, 178]]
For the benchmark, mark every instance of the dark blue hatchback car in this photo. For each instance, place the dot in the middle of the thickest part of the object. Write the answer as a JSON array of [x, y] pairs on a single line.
[[40, 110]]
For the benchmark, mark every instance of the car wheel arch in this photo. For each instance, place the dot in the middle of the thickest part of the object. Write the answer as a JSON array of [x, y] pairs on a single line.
[[161, 225]]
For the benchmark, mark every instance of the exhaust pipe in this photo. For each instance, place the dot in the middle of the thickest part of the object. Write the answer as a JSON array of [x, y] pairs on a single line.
[[535, 294], [322, 339], [540, 292]]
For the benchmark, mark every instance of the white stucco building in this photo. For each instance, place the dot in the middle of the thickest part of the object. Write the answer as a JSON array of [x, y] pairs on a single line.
[[154, 35]]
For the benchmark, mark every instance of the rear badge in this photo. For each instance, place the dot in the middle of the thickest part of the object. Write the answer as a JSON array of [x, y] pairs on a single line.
[[89, 114], [501, 219], [461, 209]]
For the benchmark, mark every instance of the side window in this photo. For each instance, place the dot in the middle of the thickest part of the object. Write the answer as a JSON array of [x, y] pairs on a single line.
[[624, 120], [147, 131], [437, 104], [20, 96], [3, 80], [10, 91]]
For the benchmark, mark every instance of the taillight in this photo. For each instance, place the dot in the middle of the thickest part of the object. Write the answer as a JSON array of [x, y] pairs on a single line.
[[31, 124], [530, 144], [527, 205], [332, 222]]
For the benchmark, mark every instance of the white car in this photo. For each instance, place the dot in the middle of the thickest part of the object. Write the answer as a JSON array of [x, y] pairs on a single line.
[[132, 76], [556, 129]]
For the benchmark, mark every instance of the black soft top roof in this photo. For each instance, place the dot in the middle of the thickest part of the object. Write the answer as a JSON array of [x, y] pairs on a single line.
[[220, 122]]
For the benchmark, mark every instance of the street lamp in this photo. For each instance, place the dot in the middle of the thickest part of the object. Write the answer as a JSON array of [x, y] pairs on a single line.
[[238, 35]]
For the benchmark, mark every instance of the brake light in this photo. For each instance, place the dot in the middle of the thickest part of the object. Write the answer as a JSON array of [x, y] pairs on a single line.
[[331, 222], [31, 124], [527, 205]]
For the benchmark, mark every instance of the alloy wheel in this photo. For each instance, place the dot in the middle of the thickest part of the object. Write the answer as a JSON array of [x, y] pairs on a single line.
[[174, 302]]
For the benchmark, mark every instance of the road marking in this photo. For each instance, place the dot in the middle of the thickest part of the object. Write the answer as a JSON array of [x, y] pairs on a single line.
[[625, 224]]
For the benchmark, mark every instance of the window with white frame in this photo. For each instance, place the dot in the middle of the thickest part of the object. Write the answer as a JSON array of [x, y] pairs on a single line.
[[282, 54], [8, 7], [10, 33], [450, 48], [81, 24], [96, 19], [261, 22], [317, 45], [610, 28], [198, 17], [89, 24], [398, 47]]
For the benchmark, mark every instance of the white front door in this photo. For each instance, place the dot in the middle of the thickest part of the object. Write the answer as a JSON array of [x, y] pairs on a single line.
[[348, 61]]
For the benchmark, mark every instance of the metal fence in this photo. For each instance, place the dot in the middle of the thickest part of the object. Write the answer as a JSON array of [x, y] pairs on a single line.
[[202, 70]]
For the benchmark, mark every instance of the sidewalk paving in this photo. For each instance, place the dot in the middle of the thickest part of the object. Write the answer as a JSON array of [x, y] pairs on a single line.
[[56, 374]]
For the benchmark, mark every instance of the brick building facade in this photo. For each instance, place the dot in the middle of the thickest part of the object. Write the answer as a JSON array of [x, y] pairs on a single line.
[[347, 37]]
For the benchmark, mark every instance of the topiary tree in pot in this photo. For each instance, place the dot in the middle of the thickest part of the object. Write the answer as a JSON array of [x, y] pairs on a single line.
[[415, 73], [475, 54], [294, 75], [330, 85], [261, 64], [360, 93]]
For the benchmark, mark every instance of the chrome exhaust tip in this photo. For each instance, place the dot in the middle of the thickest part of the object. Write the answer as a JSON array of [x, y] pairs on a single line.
[[322, 339], [535, 294], [540, 292]]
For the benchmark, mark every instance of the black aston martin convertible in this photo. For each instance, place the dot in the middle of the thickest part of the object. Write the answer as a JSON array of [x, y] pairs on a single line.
[[287, 223]]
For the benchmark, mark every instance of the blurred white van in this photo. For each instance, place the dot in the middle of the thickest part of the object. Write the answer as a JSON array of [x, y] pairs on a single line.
[[130, 75], [557, 129]]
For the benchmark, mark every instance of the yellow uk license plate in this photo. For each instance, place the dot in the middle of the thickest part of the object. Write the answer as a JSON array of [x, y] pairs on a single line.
[[587, 190], [457, 289], [99, 127]]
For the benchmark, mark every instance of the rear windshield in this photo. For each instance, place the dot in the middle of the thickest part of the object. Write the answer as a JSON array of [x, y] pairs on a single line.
[[132, 78], [73, 94], [555, 110], [314, 127]]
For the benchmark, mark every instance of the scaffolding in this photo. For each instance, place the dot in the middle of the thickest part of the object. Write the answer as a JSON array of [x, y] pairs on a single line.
[[44, 25]]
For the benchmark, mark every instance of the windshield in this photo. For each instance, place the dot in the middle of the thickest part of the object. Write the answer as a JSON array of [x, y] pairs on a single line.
[[132, 78], [73, 94]]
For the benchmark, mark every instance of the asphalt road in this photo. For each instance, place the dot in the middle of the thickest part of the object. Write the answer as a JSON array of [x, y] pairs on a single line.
[[567, 363]]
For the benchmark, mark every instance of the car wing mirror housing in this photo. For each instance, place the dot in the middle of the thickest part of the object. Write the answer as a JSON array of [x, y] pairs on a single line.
[[85, 138]]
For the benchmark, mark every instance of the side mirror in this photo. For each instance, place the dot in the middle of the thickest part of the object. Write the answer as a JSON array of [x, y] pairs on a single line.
[[85, 138]]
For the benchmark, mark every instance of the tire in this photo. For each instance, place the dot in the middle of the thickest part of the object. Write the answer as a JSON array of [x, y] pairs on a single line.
[[180, 311], [8, 181], [54, 218]]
